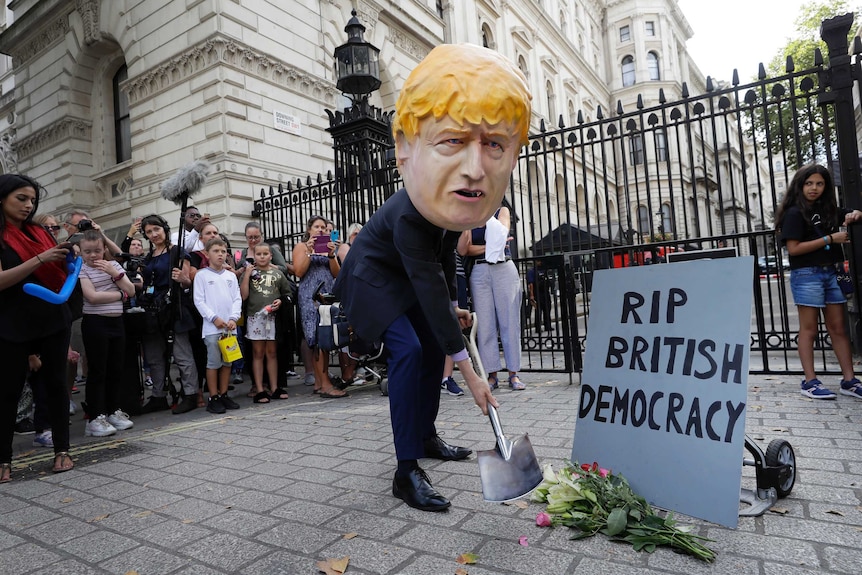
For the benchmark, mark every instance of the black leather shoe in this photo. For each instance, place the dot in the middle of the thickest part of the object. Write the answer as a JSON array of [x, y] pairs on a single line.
[[436, 448], [155, 404], [415, 490]]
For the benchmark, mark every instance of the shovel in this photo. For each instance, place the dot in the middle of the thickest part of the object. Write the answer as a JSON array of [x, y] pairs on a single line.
[[510, 470]]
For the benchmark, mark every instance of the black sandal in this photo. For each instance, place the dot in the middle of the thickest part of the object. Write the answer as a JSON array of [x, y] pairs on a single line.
[[262, 397], [339, 383], [330, 395], [279, 393]]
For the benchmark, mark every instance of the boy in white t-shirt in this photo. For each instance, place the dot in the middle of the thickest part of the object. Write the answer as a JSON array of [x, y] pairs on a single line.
[[217, 298]]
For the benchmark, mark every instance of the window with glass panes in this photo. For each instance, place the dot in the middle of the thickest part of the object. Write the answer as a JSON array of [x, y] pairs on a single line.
[[625, 33]]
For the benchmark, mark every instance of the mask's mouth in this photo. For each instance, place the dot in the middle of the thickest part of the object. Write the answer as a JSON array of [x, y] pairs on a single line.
[[470, 193]]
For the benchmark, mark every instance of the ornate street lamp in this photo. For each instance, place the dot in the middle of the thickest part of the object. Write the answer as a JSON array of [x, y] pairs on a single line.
[[356, 63], [361, 133]]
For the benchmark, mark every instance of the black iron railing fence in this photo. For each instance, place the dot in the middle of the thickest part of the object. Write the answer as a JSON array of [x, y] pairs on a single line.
[[669, 171]]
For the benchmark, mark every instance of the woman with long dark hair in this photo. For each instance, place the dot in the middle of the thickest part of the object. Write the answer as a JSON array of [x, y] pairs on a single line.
[[158, 275], [29, 325], [810, 222]]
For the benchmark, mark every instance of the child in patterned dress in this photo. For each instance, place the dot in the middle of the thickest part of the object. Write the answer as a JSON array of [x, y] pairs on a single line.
[[264, 288]]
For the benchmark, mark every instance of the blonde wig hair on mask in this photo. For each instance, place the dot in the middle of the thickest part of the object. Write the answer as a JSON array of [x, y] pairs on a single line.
[[469, 84]]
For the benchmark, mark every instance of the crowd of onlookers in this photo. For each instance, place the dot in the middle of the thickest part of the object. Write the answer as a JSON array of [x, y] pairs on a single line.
[[178, 302], [159, 302], [163, 302]]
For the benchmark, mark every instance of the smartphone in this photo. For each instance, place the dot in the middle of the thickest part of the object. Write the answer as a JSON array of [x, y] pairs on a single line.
[[334, 235], [320, 243]]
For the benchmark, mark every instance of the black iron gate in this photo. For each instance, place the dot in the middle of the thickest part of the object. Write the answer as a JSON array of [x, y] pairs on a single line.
[[694, 172], [663, 173]]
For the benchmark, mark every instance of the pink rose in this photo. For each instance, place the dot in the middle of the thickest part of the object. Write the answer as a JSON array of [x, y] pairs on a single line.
[[543, 519], [604, 472]]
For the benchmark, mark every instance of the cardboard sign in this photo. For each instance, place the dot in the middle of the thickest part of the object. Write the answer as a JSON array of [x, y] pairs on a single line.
[[665, 382]]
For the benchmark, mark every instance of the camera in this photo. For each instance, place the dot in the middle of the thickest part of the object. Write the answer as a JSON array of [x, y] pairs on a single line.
[[84, 225], [131, 264]]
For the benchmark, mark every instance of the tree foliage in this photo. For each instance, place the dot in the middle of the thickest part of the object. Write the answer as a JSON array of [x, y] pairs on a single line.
[[784, 115]]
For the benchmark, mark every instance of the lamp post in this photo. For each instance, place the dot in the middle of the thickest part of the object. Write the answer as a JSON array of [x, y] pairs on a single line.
[[356, 63], [361, 133]]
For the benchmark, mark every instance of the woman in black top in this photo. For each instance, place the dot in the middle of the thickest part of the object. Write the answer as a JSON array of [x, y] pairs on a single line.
[[29, 325], [164, 265], [810, 223]]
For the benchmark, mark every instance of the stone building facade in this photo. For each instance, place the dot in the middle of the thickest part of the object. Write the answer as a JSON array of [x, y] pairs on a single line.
[[103, 100]]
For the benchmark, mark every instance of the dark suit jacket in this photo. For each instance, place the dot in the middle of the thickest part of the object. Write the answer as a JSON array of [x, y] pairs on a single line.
[[397, 260]]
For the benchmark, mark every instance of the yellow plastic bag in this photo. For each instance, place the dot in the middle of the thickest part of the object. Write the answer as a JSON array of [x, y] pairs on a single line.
[[230, 351]]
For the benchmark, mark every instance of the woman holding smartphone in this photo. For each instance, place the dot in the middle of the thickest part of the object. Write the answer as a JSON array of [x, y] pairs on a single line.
[[28, 324], [314, 263]]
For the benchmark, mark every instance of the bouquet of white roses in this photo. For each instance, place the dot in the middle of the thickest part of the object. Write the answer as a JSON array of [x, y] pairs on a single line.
[[594, 500]]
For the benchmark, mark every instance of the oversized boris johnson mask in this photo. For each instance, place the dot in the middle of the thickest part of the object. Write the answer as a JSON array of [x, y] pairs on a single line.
[[460, 121]]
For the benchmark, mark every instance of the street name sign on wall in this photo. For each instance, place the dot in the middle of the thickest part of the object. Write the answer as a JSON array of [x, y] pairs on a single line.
[[665, 382], [286, 122]]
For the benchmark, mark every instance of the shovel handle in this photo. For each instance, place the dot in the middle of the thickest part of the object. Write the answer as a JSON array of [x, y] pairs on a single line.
[[503, 444], [473, 349], [495, 423]]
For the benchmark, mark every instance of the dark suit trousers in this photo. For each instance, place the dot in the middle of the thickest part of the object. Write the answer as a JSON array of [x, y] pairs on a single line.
[[415, 369]]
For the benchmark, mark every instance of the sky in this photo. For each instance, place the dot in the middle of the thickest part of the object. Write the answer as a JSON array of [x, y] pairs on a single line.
[[738, 33]]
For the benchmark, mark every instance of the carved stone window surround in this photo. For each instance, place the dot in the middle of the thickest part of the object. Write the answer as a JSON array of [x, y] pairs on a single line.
[[119, 175], [220, 50], [52, 135]]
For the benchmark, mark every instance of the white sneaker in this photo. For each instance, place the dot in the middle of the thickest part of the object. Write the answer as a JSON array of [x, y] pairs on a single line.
[[99, 427], [73, 409], [44, 439], [120, 420]]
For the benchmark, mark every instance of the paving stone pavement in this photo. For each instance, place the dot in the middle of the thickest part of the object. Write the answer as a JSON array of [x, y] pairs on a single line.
[[273, 489]]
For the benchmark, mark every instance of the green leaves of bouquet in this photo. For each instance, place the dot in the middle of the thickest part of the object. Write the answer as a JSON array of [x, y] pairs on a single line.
[[594, 500]]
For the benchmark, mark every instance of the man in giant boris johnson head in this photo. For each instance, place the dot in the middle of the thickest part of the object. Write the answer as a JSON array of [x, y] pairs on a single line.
[[460, 121]]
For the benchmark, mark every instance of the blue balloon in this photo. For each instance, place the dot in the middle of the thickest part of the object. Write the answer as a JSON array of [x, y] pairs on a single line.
[[73, 264]]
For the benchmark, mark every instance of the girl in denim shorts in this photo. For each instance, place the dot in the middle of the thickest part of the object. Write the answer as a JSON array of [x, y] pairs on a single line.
[[809, 223]]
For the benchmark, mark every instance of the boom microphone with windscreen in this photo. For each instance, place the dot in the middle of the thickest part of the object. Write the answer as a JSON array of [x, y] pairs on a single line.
[[186, 182]]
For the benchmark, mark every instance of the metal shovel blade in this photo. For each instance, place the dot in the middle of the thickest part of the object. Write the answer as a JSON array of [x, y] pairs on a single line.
[[510, 470]]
